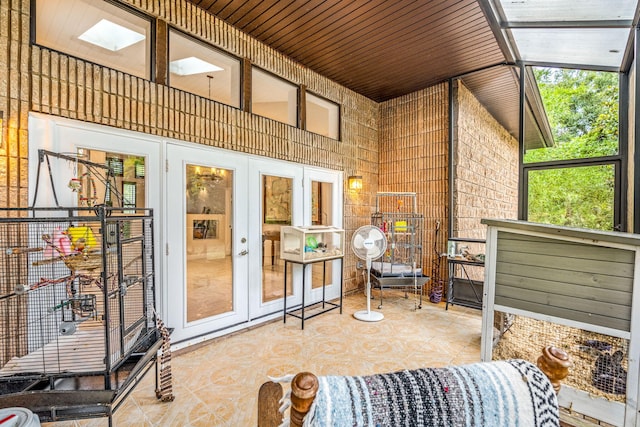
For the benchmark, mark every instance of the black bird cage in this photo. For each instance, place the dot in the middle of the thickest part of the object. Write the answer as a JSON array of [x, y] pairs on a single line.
[[77, 308]]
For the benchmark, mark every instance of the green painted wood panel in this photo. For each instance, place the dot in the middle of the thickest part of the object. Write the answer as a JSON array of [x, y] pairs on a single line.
[[605, 308], [566, 313], [594, 294], [604, 281], [577, 281], [542, 246], [565, 263]]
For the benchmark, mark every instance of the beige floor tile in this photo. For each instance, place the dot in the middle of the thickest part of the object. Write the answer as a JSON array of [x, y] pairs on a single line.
[[216, 384]]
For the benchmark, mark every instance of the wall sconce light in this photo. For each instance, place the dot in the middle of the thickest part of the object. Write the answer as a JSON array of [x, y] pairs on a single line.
[[355, 183], [1, 128]]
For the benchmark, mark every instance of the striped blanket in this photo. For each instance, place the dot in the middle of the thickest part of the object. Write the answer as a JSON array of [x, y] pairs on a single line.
[[503, 393]]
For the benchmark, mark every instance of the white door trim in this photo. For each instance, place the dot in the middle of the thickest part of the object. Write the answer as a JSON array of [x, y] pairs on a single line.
[[337, 200], [178, 156], [257, 168]]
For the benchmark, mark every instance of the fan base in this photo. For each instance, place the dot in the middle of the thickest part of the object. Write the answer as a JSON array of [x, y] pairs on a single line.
[[368, 316]]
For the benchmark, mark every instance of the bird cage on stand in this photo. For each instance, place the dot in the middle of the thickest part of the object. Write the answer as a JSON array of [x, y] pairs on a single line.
[[78, 321], [77, 309], [400, 266]]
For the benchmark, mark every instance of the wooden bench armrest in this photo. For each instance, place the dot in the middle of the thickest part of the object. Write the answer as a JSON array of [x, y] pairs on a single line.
[[268, 404]]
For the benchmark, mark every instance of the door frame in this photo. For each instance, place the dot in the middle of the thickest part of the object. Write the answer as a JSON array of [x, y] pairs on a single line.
[[62, 135], [258, 167], [178, 155], [335, 178]]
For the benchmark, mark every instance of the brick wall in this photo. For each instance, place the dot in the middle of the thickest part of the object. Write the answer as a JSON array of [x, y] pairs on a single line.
[[402, 142], [41, 80], [485, 168], [14, 101], [414, 156]]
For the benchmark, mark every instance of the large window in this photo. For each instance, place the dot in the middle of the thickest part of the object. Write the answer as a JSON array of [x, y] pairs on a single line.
[[577, 182], [582, 108], [581, 196], [274, 97], [202, 70], [96, 31], [323, 116]]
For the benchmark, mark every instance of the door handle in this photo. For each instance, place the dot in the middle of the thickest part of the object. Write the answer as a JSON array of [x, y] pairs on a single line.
[[244, 252]]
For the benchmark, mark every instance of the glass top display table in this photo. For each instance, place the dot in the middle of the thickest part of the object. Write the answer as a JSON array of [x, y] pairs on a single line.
[[306, 246]]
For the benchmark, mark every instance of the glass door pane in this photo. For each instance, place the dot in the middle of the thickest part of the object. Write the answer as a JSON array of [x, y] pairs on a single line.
[[93, 185], [275, 201], [321, 214], [207, 250], [277, 205], [209, 268]]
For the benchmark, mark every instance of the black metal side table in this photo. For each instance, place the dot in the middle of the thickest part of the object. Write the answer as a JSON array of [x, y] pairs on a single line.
[[326, 305], [473, 288]]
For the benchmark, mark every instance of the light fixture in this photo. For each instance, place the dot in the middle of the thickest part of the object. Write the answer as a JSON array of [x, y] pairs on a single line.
[[355, 182], [111, 36], [200, 180], [191, 65], [215, 176], [1, 128]]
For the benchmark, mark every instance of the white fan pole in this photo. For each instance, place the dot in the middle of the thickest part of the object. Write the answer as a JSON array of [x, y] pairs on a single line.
[[368, 315]]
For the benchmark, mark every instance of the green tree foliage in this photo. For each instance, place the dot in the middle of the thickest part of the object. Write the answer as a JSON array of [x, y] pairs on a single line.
[[576, 197], [582, 107]]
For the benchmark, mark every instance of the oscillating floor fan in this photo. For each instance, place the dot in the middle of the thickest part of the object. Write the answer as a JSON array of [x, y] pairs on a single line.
[[368, 243]]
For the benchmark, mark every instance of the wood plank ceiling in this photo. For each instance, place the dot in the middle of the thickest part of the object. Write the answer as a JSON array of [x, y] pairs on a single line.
[[382, 49], [379, 48]]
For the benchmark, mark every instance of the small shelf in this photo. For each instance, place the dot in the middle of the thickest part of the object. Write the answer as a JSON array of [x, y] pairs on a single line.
[[466, 283], [466, 293]]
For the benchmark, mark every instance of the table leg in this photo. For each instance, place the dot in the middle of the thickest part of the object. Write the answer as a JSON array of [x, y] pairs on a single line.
[[450, 287], [341, 272], [273, 248], [285, 293], [324, 280], [304, 277]]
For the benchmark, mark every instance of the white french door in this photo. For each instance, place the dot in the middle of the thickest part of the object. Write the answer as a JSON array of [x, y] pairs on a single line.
[[309, 196], [323, 206], [224, 215], [276, 194], [207, 240], [218, 216]]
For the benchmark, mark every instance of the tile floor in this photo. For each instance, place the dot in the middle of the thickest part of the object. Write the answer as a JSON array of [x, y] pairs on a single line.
[[217, 383]]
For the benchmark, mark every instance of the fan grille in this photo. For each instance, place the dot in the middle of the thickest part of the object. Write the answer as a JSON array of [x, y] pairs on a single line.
[[368, 241]]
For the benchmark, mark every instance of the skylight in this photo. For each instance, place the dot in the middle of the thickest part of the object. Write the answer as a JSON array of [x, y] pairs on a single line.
[[111, 36], [592, 34], [588, 47], [568, 11], [192, 65]]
